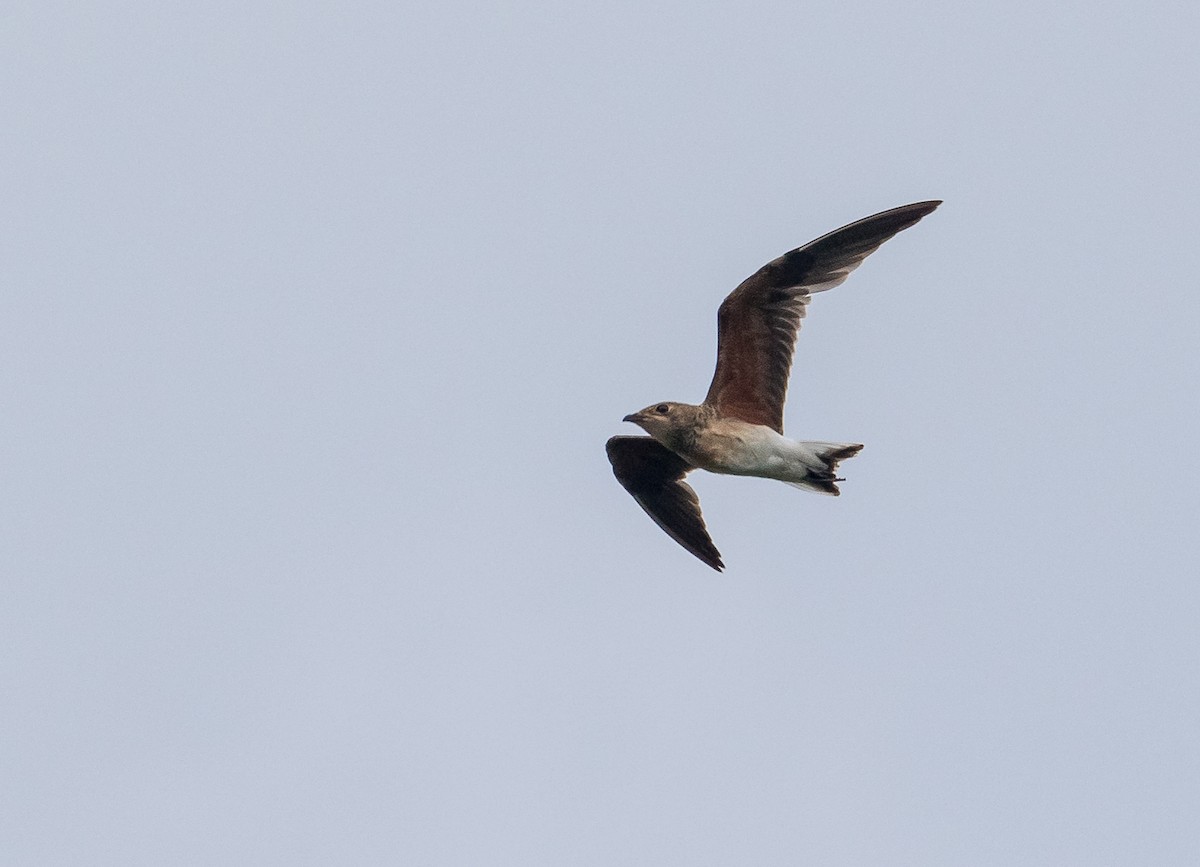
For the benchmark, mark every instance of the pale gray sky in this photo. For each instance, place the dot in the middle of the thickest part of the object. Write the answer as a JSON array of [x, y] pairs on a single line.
[[315, 319]]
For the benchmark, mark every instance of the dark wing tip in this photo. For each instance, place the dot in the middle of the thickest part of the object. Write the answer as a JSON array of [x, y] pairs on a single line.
[[919, 209], [916, 210], [879, 227]]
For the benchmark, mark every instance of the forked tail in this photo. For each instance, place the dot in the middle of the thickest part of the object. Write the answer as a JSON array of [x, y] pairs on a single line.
[[822, 477]]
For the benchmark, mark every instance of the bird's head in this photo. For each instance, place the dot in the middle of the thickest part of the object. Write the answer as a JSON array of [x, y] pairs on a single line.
[[669, 423]]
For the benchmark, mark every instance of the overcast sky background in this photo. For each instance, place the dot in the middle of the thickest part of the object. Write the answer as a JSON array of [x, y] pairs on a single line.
[[314, 320]]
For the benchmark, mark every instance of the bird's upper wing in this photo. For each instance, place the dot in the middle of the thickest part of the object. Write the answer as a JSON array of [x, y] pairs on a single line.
[[654, 475], [757, 324]]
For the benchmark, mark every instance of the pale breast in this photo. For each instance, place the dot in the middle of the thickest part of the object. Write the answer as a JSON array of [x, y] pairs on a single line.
[[739, 448]]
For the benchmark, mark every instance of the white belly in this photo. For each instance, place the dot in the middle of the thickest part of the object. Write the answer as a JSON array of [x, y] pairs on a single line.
[[742, 449]]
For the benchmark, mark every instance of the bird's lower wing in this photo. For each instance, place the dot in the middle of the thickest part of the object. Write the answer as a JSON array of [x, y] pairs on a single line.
[[653, 474]]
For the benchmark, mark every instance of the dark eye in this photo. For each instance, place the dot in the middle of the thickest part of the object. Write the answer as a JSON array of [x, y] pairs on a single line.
[[662, 408]]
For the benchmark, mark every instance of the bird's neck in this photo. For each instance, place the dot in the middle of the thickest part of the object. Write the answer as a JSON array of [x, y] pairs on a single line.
[[682, 437]]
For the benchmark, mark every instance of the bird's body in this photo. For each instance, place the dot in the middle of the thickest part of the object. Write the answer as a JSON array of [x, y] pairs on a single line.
[[732, 447], [737, 448], [738, 429]]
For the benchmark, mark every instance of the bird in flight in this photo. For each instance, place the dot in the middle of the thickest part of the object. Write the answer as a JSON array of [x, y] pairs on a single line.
[[738, 429]]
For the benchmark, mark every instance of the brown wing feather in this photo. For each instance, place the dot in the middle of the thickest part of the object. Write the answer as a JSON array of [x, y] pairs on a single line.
[[758, 323], [653, 474]]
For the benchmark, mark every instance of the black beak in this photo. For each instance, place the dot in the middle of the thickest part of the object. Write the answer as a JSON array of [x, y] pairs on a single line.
[[633, 417]]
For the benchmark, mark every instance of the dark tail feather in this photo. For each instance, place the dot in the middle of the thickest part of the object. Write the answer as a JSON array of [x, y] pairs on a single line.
[[835, 455], [825, 481]]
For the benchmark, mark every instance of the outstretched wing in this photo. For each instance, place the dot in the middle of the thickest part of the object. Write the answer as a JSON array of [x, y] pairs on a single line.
[[758, 323], [654, 475]]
